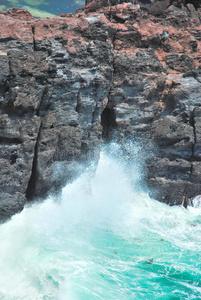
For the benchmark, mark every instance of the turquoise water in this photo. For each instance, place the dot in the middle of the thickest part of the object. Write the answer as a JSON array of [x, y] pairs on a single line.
[[43, 8], [103, 238]]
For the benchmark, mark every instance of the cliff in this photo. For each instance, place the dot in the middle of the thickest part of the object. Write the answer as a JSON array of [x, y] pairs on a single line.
[[124, 71]]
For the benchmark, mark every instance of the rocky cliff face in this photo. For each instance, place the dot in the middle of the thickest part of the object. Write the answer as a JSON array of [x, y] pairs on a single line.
[[115, 70]]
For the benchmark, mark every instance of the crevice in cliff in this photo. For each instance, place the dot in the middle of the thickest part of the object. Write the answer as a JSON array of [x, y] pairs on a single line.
[[10, 70], [39, 111], [108, 121], [192, 122], [108, 116], [34, 41], [31, 187], [78, 105]]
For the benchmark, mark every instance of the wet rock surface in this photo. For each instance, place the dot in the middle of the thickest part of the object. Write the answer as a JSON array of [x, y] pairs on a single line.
[[134, 64]]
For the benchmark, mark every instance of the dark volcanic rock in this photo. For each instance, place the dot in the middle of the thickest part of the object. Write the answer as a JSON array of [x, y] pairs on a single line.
[[139, 70], [155, 95], [53, 87]]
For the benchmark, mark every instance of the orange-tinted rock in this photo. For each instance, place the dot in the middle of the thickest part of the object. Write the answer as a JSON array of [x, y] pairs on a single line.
[[140, 71], [20, 14]]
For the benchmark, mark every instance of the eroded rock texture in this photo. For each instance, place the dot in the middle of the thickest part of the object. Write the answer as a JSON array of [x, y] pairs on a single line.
[[55, 78], [156, 89], [136, 65]]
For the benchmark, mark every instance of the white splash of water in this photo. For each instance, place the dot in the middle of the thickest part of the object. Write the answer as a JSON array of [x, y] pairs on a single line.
[[85, 244]]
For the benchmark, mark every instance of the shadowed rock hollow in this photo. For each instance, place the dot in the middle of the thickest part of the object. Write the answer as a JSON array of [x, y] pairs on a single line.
[[135, 64]]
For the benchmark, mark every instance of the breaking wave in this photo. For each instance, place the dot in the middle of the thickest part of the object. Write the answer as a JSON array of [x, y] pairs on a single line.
[[103, 238]]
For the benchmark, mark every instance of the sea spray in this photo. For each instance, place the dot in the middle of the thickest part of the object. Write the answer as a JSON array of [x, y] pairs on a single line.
[[104, 239]]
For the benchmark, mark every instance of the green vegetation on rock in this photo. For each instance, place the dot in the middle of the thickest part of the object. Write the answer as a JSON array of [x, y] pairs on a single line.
[[38, 13], [43, 8]]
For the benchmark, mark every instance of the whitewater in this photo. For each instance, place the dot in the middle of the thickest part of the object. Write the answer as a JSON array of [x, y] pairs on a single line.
[[102, 238]]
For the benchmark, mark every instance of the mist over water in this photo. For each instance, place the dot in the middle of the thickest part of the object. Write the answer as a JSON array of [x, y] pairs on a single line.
[[104, 238]]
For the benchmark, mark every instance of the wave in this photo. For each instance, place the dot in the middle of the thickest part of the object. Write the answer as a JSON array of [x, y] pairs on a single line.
[[103, 238]]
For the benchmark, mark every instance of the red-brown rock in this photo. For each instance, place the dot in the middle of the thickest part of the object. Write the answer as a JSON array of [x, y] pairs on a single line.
[[140, 71]]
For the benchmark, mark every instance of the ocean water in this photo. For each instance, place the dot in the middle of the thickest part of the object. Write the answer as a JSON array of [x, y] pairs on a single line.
[[43, 8], [103, 238]]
